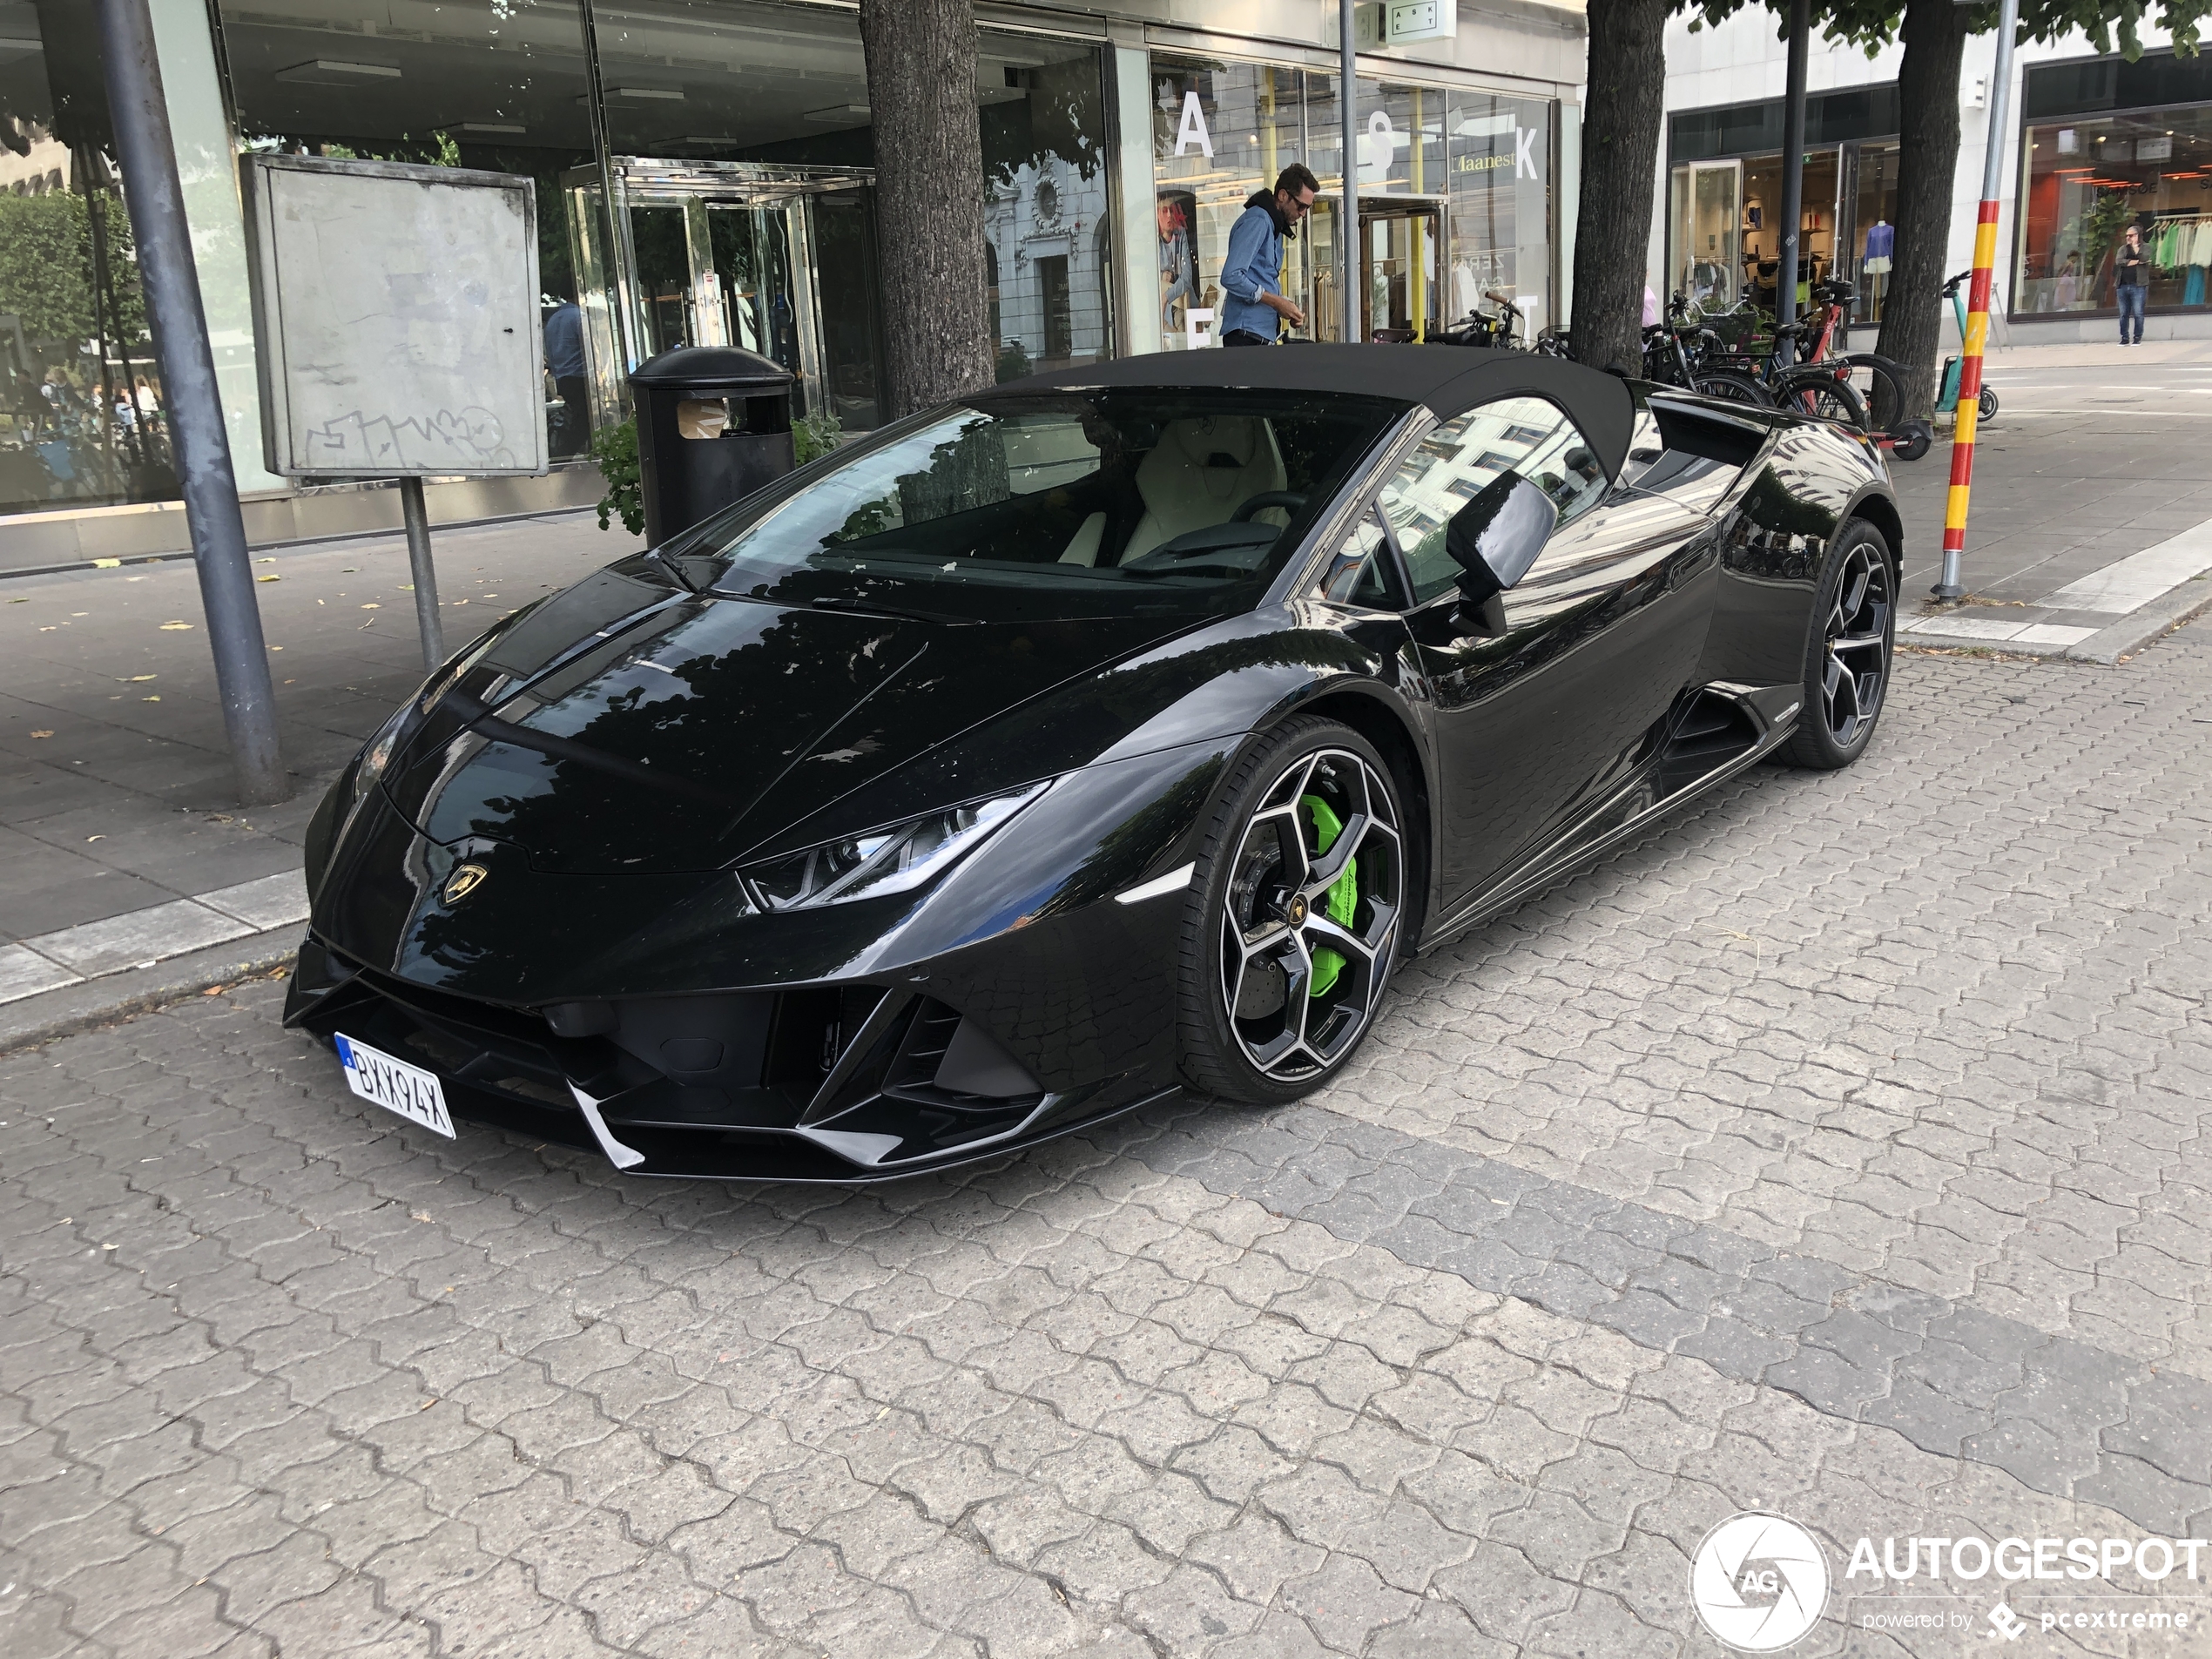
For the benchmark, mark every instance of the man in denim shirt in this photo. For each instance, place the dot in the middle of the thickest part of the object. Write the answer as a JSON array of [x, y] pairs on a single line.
[[1252, 273]]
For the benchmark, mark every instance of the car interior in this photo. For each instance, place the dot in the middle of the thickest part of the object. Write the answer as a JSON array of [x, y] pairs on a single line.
[[1126, 489]]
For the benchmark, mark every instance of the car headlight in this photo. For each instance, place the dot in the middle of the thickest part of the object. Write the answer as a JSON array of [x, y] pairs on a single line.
[[892, 860], [376, 754]]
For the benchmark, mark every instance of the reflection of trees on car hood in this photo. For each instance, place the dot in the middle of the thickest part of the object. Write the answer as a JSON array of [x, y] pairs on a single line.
[[758, 715]]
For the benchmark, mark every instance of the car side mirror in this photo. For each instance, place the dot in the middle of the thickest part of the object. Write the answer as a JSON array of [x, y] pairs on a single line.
[[1495, 538]]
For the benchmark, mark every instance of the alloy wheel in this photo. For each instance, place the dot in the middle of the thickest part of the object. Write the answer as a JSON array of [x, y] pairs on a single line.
[[1858, 630], [1309, 918]]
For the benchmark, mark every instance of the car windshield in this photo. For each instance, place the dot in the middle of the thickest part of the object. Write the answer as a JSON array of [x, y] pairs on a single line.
[[1084, 503]]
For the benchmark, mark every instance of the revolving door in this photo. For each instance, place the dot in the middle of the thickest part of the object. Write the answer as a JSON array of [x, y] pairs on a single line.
[[778, 260]]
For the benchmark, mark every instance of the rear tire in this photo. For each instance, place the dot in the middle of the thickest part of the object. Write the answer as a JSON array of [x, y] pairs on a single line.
[[1264, 1017], [1733, 387], [1987, 407], [1848, 649]]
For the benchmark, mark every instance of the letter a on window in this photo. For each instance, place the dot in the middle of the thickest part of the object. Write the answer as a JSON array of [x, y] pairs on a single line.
[[1193, 129]]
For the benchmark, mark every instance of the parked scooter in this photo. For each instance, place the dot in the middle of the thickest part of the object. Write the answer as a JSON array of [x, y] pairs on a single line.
[[1947, 401]]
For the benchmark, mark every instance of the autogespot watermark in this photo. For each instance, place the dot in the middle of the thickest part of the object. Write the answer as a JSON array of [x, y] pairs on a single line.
[[1758, 1581], [1761, 1582]]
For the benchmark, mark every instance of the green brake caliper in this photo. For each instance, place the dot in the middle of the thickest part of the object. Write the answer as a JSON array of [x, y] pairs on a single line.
[[1344, 891]]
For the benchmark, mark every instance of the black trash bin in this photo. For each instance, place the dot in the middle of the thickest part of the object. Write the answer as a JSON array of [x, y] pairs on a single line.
[[714, 426]]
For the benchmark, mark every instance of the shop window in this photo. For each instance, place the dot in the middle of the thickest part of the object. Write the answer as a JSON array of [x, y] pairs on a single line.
[[1043, 107], [1221, 131], [1874, 230], [1498, 161], [499, 87], [2088, 178], [82, 417]]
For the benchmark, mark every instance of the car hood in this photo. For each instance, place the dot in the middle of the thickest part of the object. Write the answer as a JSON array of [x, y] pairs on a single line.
[[626, 727]]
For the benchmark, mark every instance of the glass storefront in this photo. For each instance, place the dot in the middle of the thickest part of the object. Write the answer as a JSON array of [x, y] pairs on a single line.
[[2088, 178], [705, 173], [1498, 164], [1724, 201], [1222, 130], [1455, 199], [783, 89], [2108, 144], [82, 416], [1046, 211]]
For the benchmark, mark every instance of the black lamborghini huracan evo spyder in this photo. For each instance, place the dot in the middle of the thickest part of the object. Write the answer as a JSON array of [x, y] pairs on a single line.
[[1105, 734]]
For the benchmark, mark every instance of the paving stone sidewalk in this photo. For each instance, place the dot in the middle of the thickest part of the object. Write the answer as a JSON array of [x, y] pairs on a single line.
[[1837, 1149]]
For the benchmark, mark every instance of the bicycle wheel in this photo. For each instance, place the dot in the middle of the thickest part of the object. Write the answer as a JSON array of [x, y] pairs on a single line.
[[1736, 389], [1823, 396], [1880, 385]]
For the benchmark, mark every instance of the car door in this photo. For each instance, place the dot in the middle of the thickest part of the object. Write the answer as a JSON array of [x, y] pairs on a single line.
[[1533, 727]]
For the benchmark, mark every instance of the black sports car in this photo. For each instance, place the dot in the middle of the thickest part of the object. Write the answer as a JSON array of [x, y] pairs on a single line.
[[1103, 735]]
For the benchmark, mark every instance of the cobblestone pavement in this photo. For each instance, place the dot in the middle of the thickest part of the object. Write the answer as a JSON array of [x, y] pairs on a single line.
[[1838, 1149]]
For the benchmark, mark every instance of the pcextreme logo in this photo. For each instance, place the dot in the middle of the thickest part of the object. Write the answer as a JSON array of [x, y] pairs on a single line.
[[1758, 1581]]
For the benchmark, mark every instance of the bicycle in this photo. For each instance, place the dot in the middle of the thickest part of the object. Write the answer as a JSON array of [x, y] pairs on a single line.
[[1498, 331], [1669, 360], [1804, 378]]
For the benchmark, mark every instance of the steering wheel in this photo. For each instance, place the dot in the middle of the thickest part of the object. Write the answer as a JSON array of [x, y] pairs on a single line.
[[1290, 500]]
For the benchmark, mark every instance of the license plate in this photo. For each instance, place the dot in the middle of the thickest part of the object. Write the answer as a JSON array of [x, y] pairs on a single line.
[[396, 1085]]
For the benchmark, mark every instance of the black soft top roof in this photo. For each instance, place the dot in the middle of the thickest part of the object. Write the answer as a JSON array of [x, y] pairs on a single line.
[[1448, 379]]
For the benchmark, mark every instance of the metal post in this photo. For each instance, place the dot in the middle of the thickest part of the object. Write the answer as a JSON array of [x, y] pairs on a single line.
[[425, 573], [1793, 172], [1951, 584], [1348, 232], [202, 447]]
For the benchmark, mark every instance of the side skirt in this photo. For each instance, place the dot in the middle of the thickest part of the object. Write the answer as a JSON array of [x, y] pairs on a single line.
[[1605, 828]]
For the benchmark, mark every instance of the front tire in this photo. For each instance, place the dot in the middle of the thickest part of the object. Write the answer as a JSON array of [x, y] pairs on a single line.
[[1848, 650], [1295, 921]]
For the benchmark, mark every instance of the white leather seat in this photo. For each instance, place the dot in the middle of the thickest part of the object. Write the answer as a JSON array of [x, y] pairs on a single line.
[[1082, 547], [1202, 468]]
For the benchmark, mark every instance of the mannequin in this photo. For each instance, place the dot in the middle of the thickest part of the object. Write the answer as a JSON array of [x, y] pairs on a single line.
[[1881, 244]]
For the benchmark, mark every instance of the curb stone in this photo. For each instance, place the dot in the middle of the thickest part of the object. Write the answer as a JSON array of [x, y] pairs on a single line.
[[114, 996], [2142, 626]]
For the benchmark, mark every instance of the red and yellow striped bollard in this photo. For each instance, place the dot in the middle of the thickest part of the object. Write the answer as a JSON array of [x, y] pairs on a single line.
[[1951, 585], [1962, 431]]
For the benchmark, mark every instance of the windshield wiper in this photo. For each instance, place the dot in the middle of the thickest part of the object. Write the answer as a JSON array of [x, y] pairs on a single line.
[[871, 608]]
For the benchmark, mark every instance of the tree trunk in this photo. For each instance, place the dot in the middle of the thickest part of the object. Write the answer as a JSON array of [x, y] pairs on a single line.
[[1620, 165], [928, 199], [1934, 35]]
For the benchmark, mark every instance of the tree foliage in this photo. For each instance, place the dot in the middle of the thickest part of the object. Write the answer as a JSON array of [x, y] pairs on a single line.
[[1872, 25], [46, 268], [1055, 116]]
